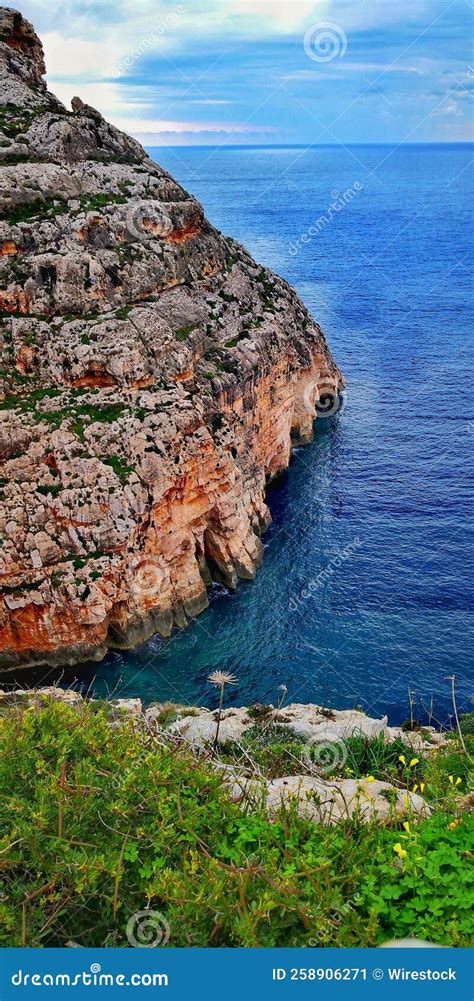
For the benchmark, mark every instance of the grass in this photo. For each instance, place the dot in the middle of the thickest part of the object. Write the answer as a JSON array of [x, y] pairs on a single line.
[[101, 821], [14, 119], [45, 208], [182, 333], [91, 203]]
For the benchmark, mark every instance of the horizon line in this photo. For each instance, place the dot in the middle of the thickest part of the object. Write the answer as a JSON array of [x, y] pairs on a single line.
[[224, 146]]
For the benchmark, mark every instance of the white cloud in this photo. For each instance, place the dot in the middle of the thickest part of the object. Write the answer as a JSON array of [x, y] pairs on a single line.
[[449, 108], [278, 15], [146, 126], [76, 58], [345, 66]]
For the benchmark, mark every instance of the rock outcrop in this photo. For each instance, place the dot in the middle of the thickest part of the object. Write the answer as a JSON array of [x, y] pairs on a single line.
[[152, 380], [323, 730], [320, 791]]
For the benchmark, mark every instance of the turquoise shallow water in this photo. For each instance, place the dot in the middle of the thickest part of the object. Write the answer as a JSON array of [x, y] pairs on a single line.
[[380, 504]]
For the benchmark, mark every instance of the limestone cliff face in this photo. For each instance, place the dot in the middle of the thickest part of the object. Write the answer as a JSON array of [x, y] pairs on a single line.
[[152, 379]]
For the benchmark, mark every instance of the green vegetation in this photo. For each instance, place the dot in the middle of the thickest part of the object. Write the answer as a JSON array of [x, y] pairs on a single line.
[[14, 119], [106, 414], [78, 415], [235, 340], [53, 490], [91, 203], [119, 466], [267, 290], [102, 821], [275, 750], [43, 207], [467, 723], [228, 365], [13, 158], [183, 332], [28, 401], [372, 756]]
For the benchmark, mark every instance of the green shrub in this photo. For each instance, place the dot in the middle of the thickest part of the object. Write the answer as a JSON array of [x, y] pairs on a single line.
[[372, 756], [119, 466], [467, 724], [183, 333], [100, 821], [429, 893]]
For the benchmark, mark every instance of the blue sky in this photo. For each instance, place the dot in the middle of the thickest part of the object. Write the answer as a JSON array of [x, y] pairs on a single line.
[[260, 71]]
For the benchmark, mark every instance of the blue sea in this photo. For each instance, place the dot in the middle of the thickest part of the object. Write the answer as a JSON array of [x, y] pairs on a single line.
[[375, 514]]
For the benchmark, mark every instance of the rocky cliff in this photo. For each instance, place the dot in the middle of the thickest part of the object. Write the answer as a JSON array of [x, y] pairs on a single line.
[[152, 380]]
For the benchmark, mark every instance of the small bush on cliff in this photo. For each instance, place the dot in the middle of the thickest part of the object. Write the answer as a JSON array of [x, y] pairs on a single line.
[[100, 820], [372, 756]]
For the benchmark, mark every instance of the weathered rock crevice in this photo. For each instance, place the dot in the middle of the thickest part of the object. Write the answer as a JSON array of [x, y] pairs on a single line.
[[153, 379]]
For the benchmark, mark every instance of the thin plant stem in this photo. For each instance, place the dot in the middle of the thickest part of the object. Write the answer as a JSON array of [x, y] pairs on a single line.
[[452, 679], [219, 713]]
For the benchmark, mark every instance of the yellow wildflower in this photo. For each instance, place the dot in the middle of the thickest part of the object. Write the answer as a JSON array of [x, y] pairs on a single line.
[[415, 787], [454, 823], [401, 757], [453, 782], [406, 826], [422, 787], [370, 778], [413, 762], [399, 850]]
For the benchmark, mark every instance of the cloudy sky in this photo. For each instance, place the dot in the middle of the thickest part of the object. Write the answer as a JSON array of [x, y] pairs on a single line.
[[263, 71]]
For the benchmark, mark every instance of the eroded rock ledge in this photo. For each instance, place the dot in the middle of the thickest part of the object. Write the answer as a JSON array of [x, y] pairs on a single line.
[[152, 380]]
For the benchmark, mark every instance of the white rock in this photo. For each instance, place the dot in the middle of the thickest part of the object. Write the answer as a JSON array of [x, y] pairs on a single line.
[[133, 706], [201, 730], [328, 802]]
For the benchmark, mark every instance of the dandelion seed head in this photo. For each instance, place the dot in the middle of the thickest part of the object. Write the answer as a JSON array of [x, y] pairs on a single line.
[[221, 678]]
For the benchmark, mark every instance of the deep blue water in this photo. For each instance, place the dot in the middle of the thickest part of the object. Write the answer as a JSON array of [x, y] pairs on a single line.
[[389, 280]]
